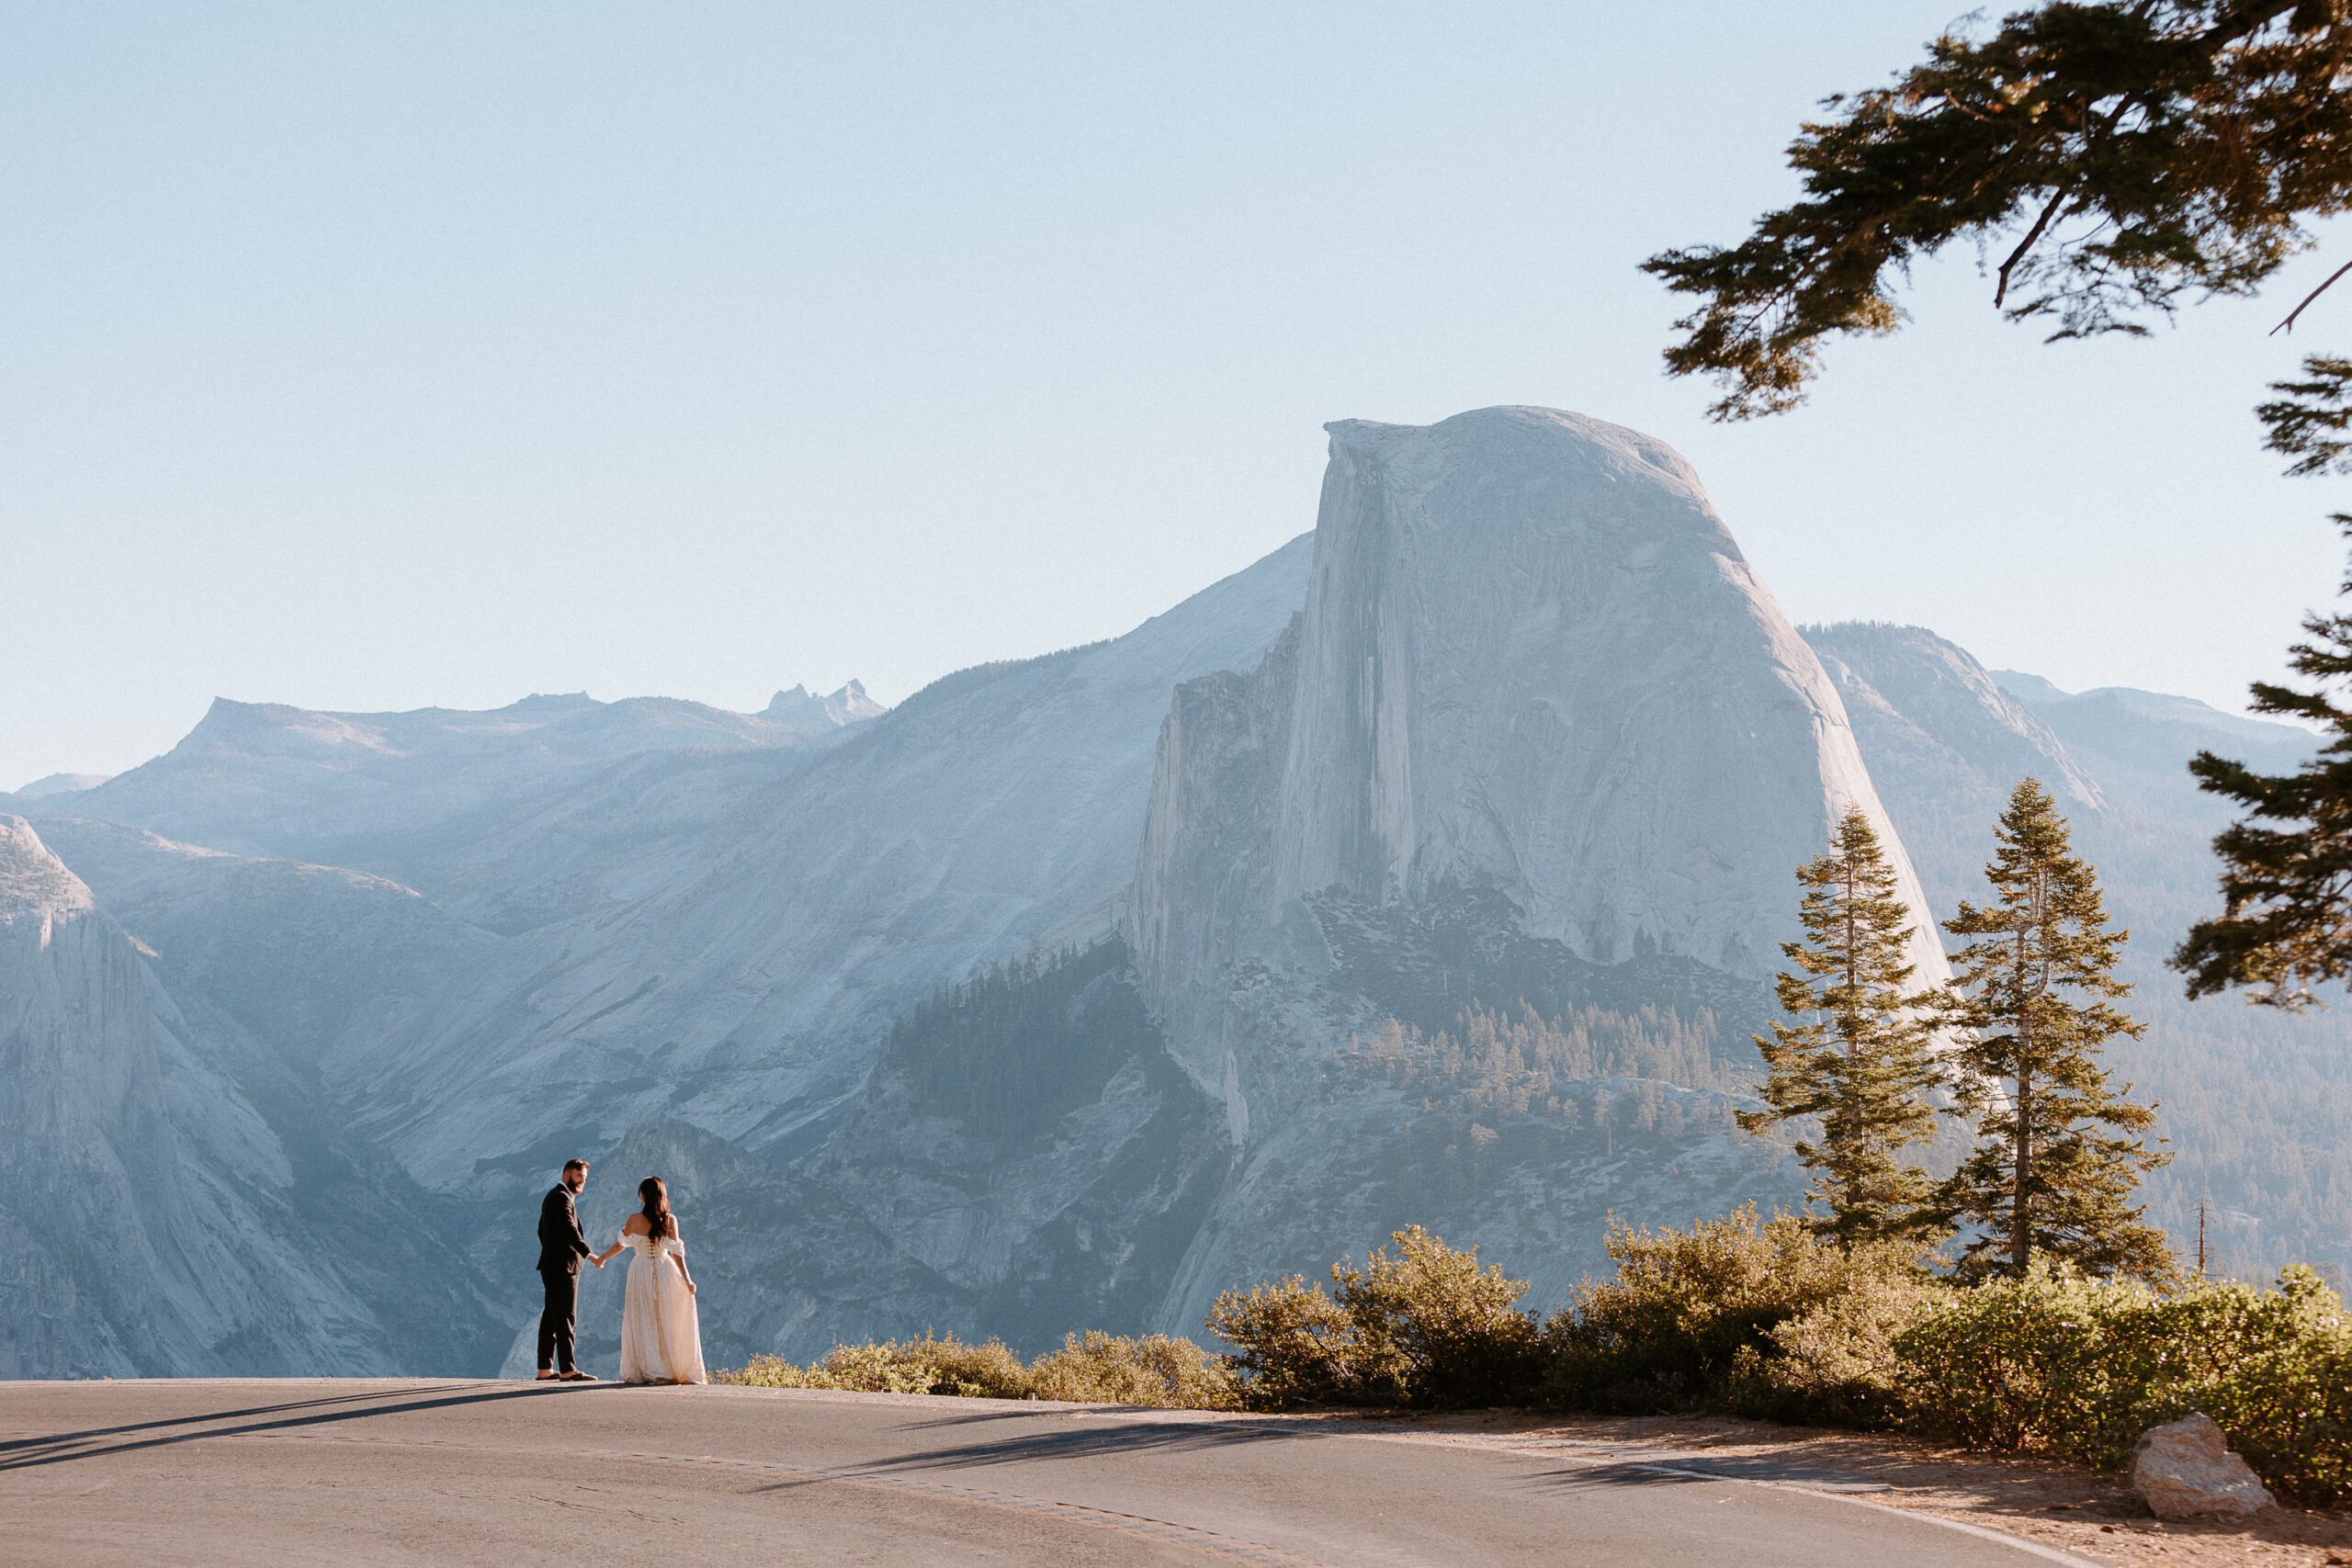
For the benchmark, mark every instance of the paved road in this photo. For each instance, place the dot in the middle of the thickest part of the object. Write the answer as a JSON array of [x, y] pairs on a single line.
[[517, 1475]]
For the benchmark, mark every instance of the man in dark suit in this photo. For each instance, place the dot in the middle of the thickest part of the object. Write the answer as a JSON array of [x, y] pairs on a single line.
[[561, 1247]]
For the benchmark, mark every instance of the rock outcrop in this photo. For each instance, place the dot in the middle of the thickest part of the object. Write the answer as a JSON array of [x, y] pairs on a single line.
[[89, 1156], [1534, 660], [159, 1221], [802, 708], [2184, 1470]]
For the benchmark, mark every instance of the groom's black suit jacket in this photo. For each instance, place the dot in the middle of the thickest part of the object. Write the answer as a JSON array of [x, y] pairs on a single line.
[[561, 1247]]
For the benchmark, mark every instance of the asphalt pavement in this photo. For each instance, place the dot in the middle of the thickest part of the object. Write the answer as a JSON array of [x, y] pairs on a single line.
[[516, 1475]]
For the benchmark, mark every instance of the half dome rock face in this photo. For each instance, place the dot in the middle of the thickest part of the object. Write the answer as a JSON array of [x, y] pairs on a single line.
[[1532, 660]]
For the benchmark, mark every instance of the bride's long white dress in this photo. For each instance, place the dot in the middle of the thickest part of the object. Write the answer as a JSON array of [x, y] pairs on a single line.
[[660, 1335]]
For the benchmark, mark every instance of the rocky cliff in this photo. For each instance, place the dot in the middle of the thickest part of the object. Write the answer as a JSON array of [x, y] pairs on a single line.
[[1532, 661], [179, 1203], [89, 1155]]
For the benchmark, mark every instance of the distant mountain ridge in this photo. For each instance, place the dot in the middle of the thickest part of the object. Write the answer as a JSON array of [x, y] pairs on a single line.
[[58, 783], [835, 710], [2151, 734], [269, 778]]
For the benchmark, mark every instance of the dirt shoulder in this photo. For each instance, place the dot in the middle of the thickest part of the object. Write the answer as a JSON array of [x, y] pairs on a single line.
[[2061, 1506]]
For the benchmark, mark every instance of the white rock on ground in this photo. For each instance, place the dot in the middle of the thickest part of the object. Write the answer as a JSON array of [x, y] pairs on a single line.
[[2186, 1471]]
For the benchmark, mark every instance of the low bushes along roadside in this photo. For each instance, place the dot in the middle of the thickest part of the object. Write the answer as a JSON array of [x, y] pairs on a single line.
[[1093, 1367], [1741, 1314]]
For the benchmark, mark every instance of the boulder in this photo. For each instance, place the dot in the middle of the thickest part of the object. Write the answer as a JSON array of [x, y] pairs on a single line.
[[2186, 1471]]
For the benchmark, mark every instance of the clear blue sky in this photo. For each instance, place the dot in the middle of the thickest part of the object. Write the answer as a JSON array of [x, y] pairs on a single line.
[[372, 357]]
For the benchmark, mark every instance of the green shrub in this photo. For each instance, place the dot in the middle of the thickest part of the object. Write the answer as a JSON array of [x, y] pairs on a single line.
[[1295, 1345], [1435, 1329], [1155, 1369], [932, 1364], [1422, 1326], [1835, 1363], [2014, 1364], [772, 1371], [1737, 1312], [2058, 1364]]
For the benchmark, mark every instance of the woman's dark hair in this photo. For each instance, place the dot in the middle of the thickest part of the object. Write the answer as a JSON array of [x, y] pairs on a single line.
[[658, 1219]]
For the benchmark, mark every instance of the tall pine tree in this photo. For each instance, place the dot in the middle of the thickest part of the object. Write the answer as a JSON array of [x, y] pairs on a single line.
[[2286, 924], [1859, 1058], [2060, 1152]]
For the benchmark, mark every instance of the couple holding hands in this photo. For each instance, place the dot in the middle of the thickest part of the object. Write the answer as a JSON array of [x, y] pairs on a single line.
[[661, 1331]]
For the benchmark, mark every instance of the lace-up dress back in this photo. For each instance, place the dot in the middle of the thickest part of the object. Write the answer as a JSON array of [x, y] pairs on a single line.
[[660, 1335]]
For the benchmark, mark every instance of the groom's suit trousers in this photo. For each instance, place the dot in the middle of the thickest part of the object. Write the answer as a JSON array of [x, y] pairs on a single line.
[[558, 1322]]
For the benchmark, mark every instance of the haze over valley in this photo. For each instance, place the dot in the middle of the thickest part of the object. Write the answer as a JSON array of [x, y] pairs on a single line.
[[1430, 868]]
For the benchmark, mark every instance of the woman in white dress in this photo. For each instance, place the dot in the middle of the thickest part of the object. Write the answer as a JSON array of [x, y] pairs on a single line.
[[660, 1334]]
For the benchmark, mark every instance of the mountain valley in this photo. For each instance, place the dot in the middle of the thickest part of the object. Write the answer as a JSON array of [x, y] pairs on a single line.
[[1430, 870]]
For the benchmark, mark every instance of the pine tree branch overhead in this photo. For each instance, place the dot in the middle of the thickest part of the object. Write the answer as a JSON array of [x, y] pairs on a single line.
[[2188, 138], [2311, 421], [2286, 921]]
